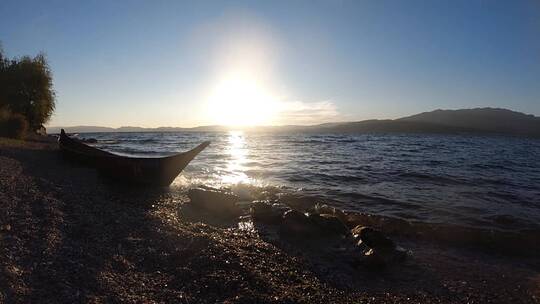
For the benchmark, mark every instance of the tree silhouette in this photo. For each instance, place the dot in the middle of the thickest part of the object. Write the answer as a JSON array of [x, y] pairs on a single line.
[[26, 88]]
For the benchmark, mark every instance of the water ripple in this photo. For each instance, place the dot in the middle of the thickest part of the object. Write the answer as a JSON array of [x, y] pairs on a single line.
[[466, 180]]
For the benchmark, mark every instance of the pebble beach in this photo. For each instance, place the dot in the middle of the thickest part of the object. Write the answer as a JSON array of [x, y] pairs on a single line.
[[68, 235]]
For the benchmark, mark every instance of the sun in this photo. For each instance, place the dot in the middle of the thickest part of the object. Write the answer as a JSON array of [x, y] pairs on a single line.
[[240, 101]]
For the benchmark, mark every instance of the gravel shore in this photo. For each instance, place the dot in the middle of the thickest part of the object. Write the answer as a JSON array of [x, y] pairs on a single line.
[[67, 235]]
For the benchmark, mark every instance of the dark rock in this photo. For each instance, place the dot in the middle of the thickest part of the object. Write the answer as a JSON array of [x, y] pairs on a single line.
[[297, 202], [282, 208], [214, 200], [260, 210], [327, 224], [295, 224], [373, 238], [267, 212], [313, 226], [379, 250], [243, 191], [325, 209], [380, 258]]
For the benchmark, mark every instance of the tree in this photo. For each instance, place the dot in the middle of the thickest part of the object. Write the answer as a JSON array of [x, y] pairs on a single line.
[[26, 88]]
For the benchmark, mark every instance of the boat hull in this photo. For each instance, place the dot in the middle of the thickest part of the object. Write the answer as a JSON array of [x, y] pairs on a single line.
[[133, 170]]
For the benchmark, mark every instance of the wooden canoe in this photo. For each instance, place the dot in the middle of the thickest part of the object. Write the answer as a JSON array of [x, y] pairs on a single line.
[[137, 170]]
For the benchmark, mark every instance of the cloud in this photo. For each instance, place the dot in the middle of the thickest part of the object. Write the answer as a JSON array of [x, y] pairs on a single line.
[[305, 113]]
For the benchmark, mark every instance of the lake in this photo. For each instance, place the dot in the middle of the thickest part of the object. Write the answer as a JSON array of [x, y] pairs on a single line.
[[478, 181]]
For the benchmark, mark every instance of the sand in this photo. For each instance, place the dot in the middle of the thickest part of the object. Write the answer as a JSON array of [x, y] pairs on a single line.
[[68, 235]]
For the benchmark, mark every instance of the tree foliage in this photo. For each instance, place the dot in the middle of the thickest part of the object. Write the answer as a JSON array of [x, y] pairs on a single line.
[[26, 88], [13, 125]]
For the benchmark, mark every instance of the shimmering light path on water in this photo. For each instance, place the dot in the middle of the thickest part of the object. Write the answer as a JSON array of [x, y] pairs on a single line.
[[479, 181]]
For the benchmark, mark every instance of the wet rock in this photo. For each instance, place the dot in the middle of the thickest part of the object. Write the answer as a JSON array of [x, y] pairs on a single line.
[[311, 226], [243, 192], [325, 209], [279, 207], [380, 251], [244, 206], [295, 224], [265, 194], [267, 212], [328, 224], [383, 257], [296, 201], [214, 200], [372, 238]]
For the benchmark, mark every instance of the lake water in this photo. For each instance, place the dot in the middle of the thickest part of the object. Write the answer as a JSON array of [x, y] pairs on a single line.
[[476, 181]]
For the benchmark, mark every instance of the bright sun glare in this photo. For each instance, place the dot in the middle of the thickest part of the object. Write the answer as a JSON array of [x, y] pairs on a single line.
[[240, 101]]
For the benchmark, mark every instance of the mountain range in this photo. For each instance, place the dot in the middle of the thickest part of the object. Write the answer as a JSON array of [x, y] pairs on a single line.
[[479, 120]]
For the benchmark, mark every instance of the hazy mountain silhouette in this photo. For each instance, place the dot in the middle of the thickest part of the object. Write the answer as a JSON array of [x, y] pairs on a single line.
[[481, 120]]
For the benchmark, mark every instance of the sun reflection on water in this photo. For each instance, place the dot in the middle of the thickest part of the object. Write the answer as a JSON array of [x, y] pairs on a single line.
[[238, 157]]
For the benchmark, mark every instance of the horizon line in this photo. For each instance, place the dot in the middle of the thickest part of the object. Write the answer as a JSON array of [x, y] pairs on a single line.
[[277, 126]]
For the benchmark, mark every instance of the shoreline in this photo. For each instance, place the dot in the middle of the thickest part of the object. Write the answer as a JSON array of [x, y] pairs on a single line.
[[492, 241], [70, 236]]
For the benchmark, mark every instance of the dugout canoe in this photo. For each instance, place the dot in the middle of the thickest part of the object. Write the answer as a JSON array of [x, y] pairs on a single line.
[[157, 171]]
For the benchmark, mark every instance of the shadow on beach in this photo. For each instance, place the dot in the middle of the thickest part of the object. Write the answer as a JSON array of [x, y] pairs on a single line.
[[72, 236]]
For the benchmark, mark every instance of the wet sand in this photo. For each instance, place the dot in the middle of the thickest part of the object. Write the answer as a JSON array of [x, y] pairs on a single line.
[[68, 235]]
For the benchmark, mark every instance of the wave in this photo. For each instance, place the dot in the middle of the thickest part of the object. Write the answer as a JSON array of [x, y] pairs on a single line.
[[505, 237], [453, 179], [431, 178], [524, 242], [309, 141]]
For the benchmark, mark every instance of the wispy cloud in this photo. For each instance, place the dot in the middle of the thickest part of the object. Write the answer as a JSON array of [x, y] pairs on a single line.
[[300, 112]]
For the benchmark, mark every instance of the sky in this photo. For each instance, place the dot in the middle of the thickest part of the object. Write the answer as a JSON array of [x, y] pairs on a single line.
[[183, 63]]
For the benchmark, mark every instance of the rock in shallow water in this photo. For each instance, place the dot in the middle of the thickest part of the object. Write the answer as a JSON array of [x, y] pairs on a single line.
[[267, 212], [299, 225], [328, 224], [383, 251], [297, 202], [380, 258], [295, 224], [214, 200], [325, 209], [373, 238]]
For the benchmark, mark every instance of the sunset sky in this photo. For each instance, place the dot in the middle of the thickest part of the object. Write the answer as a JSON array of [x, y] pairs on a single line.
[[179, 63]]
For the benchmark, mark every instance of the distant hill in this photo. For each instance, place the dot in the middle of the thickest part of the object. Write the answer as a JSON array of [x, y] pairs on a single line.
[[80, 129], [481, 120], [96, 129], [489, 120], [389, 126]]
